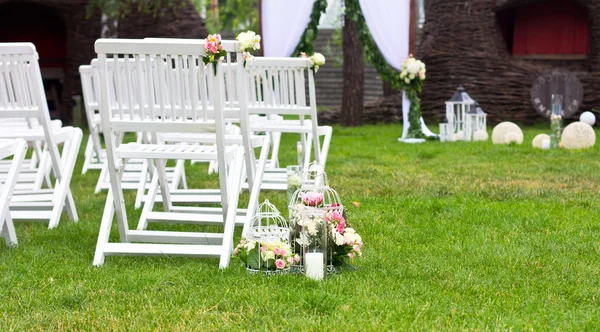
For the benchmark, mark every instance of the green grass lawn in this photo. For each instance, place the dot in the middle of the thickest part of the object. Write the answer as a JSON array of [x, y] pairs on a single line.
[[457, 236]]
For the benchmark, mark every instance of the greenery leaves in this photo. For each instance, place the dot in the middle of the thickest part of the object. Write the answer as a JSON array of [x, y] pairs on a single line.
[[307, 40]]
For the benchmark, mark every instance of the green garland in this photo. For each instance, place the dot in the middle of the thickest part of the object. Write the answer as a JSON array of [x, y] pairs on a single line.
[[387, 72], [307, 40]]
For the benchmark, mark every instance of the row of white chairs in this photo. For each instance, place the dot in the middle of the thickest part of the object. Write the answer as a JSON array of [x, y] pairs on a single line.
[[180, 109], [42, 185]]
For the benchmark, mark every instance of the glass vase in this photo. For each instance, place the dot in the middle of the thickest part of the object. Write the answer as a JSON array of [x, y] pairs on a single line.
[[294, 180], [556, 121]]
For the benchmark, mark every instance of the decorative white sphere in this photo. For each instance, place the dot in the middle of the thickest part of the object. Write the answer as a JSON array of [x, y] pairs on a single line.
[[578, 135], [512, 137], [480, 136], [499, 134], [537, 141], [588, 117]]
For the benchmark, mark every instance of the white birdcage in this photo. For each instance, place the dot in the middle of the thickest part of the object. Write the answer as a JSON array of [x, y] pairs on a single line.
[[476, 121], [267, 242], [456, 112], [309, 207]]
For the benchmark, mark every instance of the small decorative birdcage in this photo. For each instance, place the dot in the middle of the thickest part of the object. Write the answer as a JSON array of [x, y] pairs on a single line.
[[266, 247], [310, 209]]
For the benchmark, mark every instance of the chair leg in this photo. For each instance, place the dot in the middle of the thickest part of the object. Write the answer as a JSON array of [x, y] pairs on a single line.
[[101, 178], [164, 184], [7, 229], [234, 195], [105, 226], [141, 190], [149, 203], [255, 189], [88, 158]]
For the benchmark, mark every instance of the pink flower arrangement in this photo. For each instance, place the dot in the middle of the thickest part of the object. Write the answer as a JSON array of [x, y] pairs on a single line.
[[214, 50], [265, 256], [346, 242], [312, 198]]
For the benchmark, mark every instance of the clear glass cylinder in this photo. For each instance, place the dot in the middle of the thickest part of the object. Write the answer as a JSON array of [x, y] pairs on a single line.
[[294, 180], [313, 243], [300, 152], [556, 123]]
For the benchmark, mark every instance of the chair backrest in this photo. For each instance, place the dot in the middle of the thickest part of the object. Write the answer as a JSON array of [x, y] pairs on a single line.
[[91, 94], [229, 75], [165, 103], [21, 89], [22, 92], [278, 86]]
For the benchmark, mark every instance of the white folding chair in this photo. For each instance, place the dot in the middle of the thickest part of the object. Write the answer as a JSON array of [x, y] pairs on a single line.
[[17, 149], [136, 175], [277, 86], [154, 113], [233, 113], [22, 96], [94, 154]]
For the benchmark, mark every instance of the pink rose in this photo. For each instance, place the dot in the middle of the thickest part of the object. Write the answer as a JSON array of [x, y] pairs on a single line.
[[290, 260], [212, 48], [313, 198], [297, 258], [280, 264], [336, 215], [278, 251], [340, 227], [351, 255], [303, 55], [356, 248], [263, 249], [218, 36]]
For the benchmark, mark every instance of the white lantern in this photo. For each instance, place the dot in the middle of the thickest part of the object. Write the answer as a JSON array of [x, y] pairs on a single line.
[[456, 111], [446, 131], [475, 121]]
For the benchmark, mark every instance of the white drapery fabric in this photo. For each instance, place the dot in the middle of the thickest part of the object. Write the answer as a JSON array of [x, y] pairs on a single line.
[[283, 23], [389, 24]]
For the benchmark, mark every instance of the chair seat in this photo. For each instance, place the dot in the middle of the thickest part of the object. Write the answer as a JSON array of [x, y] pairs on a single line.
[[173, 151], [284, 126], [255, 140]]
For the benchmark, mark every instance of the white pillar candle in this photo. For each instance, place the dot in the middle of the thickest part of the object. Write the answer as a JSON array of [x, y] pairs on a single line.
[[545, 144], [314, 265]]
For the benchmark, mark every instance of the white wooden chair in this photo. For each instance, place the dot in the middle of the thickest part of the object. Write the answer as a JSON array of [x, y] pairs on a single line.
[[277, 86], [94, 154], [136, 175], [22, 96], [237, 135], [16, 149], [154, 113]]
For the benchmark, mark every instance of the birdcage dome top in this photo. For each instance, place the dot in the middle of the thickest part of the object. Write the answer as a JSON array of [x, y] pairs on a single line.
[[268, 224], [316, 192]]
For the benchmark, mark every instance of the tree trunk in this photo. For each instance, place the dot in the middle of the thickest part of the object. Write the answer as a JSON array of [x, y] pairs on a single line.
[[353, 96]]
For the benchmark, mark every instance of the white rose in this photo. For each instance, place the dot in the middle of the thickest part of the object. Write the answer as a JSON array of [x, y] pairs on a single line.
[[403, 74], [413, 67], [349, 230], [411, 76], [339, 239], [266, 255], [407, 80], [246, 40], [318, 59]]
